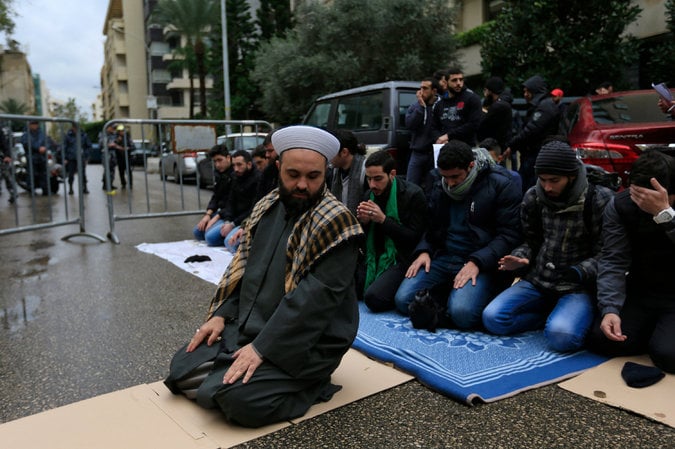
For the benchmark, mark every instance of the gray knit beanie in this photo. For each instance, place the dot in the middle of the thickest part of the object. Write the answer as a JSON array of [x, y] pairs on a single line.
[[556, 158]]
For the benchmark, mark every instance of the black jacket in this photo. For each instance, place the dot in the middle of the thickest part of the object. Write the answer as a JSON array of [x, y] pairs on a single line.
[[497, 123], [459, 116], [493, 208], [221, 190], [242, 197], [542, 119], [412, 213]]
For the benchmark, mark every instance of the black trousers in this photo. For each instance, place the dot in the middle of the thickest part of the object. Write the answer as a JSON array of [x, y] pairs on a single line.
[[270, 396], [649, 330]]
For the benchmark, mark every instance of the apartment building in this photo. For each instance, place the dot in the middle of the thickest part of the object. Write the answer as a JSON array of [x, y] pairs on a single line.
[[16, 79]]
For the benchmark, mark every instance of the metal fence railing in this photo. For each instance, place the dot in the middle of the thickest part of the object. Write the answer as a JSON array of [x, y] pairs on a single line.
[[171, 150], [35, 160]]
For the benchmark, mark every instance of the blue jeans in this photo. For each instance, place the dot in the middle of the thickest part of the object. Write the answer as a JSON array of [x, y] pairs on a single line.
[[465, 305], [419, 166], [522, 307], [213, 237]]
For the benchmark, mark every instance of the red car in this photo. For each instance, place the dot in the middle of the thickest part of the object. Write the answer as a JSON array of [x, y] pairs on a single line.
[[612, 130]]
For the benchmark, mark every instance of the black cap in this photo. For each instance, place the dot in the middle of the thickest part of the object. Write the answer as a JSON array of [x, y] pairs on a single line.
[[495, 84], [556, 158]]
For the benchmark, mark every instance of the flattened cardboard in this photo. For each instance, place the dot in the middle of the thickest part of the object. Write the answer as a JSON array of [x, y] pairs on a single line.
[[150, 416], [360, 377], [122, 419], [605, 384]]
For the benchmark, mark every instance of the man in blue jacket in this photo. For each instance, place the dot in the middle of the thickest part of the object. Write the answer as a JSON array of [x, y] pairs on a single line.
[[419, 120], [474, 211], [34, 143], [70, 152]]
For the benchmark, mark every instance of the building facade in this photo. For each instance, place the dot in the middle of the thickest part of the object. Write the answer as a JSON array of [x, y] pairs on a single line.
[[16, 79]]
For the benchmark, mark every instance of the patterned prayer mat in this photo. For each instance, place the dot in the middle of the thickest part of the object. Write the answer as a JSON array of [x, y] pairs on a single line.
[[467, 366]]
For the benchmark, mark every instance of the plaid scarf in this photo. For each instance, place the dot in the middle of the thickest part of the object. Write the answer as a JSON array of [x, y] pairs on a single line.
[[318, 230]]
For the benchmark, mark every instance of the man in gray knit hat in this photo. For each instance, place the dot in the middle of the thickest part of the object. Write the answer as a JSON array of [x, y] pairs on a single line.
[[285, 309], [561, 217]]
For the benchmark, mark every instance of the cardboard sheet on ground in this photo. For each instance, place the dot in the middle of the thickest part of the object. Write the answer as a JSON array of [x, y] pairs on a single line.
[[149, 416], [605, 384]]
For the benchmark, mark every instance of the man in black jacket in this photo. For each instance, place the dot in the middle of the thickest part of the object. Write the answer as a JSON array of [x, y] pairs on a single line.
[[474, 221], [635, 293], [394, 217], [222, 162], [240, 201], [542, 120], [458, 115], [498, 117]]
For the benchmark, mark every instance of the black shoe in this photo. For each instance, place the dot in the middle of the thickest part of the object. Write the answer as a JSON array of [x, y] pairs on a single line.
[[12, 199], [70, 192], [124, 186], [85, 191]]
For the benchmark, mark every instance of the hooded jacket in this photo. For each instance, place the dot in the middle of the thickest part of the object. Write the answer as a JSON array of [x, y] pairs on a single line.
[[542, 119]]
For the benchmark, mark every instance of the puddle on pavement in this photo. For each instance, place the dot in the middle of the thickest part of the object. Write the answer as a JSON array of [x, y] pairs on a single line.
[[19, 315], [33, 267], [40, 244]]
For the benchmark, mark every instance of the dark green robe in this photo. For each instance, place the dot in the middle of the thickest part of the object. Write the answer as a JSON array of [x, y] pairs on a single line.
[[301, 335]]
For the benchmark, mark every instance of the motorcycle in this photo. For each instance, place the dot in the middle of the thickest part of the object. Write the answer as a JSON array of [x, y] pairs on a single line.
[[21, 170]]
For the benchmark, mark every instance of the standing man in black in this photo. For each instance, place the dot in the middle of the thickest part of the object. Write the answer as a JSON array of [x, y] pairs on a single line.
[[542, 120], [458, 115], [497, 119]]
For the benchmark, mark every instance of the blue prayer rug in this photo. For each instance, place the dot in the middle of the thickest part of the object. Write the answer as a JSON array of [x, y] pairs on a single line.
[[467, 366]]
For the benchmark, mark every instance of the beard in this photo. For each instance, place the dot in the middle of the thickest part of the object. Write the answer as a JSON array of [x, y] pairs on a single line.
[[296, 206]]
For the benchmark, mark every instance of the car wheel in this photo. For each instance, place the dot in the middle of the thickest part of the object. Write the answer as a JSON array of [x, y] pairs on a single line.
[[176, 174], [162, 172]]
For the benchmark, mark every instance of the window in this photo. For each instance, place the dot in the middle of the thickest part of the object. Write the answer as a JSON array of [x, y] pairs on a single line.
[[318, 116], [627, 109], [361, 113], [405, 99]]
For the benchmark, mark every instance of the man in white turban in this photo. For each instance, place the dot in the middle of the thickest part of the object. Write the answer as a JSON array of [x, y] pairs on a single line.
[[285, 310]]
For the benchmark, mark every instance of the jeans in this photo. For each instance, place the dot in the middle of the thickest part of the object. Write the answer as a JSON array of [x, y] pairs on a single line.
[[213, 237], [522, 307], [465, 305], [418, 166]]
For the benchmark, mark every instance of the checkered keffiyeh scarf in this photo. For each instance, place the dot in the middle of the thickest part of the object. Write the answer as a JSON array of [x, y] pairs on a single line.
[[315, 233]]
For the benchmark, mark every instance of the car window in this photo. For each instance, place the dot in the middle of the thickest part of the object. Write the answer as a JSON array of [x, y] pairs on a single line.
[[405, 99], [318, 116], [571, 117], [360, 112], [627, 109]]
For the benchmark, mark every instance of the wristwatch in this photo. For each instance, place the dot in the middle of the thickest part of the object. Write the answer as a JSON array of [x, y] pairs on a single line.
[[664, 216]]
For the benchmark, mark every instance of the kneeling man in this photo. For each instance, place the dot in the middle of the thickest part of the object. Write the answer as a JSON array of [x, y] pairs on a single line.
[[285, 310]]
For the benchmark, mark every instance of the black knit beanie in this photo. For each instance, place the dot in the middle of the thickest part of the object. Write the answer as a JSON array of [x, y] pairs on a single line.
[[556, 158]]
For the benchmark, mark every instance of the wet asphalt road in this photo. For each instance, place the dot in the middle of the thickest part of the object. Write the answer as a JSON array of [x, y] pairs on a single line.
[[81, 318]]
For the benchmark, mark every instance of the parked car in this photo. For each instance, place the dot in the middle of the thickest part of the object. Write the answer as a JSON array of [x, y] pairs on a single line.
[[374, 113], [95, 154], [179, 165], [241, 141], [612, 130], [142, 150]]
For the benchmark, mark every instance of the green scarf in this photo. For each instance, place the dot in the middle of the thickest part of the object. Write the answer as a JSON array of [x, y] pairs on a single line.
[[376, 266]]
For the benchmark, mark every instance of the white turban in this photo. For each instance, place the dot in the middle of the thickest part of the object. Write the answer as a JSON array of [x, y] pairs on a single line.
[[306, 137]]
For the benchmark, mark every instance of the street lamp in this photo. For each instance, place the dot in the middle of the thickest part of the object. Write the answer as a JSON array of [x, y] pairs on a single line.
[[226, 63]]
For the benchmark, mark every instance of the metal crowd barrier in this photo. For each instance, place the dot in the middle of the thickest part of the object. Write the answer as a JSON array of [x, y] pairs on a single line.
[[172, 140], [18, 173]]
